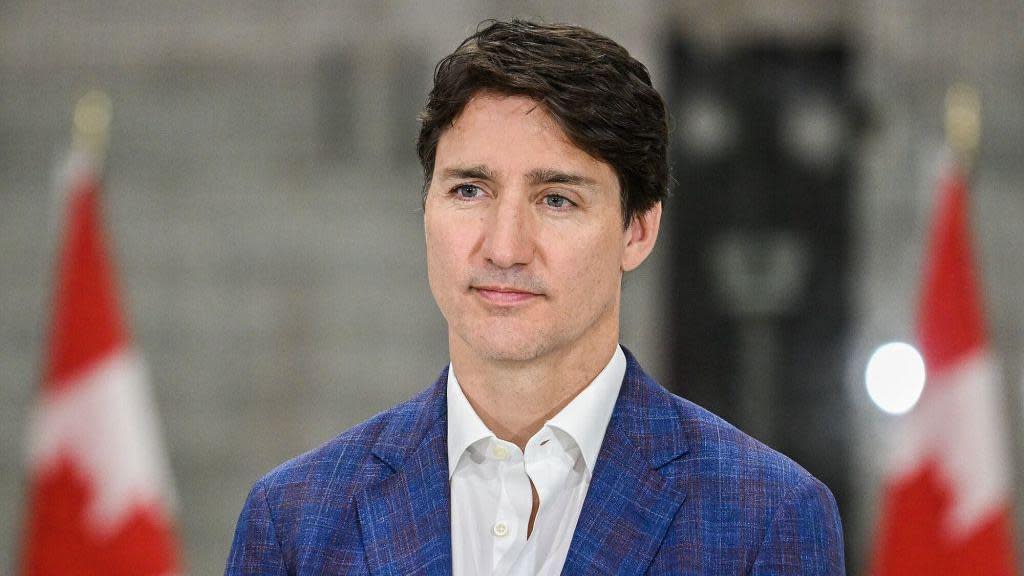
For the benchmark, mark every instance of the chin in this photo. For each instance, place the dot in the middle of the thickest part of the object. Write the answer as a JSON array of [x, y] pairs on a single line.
[[502, 346]]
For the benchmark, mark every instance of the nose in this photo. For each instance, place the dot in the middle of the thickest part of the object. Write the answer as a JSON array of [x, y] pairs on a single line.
[[508, 234]]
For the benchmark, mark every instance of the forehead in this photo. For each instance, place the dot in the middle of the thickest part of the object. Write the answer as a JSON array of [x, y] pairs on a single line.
[[488, 107], [512, 133]]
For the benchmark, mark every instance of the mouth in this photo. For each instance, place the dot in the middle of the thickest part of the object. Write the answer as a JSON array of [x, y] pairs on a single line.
[[504, 295]]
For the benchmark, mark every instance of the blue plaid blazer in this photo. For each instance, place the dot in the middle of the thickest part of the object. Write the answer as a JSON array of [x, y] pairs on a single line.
[[676, 490]]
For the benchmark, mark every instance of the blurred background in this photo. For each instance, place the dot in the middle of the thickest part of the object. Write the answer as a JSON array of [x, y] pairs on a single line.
[[262, 203]]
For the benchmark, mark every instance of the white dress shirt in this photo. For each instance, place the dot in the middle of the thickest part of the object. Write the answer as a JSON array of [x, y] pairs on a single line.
[[490, 481]]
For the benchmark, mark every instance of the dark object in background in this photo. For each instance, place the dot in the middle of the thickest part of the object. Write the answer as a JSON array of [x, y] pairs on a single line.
[[764, 141]]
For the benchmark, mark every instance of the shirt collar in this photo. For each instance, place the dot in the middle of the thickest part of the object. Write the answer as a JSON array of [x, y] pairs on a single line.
[[464, 425], [585, 418]]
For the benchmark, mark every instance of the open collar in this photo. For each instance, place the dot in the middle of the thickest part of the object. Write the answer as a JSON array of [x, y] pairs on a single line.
[[585, 418]]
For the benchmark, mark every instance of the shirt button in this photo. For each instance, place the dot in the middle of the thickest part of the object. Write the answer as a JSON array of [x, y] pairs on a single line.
[[500, 529], [500, 452]]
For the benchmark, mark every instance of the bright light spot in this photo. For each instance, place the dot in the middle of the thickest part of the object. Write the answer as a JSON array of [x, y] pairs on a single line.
[[895, 377]]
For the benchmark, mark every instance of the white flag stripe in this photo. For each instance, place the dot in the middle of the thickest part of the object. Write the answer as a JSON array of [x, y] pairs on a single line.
[[958, 424], [104, 422]]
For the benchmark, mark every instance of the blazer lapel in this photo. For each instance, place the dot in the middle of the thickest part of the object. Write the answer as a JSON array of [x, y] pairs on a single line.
[[405, 519], [630, 505]]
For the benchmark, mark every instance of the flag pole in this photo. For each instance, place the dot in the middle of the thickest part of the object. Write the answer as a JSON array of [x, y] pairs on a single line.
[[90, 133], [963, 125]]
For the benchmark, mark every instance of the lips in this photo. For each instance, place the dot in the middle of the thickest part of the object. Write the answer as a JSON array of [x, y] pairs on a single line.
[[504, 296]]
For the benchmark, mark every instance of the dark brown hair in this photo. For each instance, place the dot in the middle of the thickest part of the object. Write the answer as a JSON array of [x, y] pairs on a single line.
[[600, 96]]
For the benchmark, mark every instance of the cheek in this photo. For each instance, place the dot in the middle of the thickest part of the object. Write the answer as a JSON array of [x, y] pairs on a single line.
[[593, 265], [435, 263], [447, 243]]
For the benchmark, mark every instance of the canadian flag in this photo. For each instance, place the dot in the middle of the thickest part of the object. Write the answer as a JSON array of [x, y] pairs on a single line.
[[946, 504], [97, 502]]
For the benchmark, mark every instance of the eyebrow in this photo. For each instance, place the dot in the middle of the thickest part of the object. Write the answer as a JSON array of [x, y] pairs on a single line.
[[478, 172], [535, 177], [549, 176]]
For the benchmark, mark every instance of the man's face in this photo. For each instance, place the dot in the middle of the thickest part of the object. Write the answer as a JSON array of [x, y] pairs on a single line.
[[525, 242]]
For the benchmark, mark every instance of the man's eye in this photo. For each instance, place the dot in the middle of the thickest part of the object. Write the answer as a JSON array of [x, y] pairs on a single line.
[[466, 191], [556, 201]]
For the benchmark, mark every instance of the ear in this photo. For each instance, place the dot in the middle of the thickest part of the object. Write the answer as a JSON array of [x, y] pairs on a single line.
[[640, 236]]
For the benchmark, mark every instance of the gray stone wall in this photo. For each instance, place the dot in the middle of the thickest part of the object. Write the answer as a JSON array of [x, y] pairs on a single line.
[[262, 198]]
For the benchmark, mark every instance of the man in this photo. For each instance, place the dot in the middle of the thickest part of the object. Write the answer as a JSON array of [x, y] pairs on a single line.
[[543, 448]]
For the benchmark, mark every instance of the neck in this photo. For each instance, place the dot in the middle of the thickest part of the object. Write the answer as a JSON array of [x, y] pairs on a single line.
[[515, 398]]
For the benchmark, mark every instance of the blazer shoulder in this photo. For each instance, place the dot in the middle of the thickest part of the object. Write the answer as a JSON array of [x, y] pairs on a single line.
[[774, 516], [698, 442], [349, 456], [306, 504], [725, 450], [326, 478]]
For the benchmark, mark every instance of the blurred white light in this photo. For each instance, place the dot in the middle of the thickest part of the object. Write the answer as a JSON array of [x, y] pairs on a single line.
[[895, 377]]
